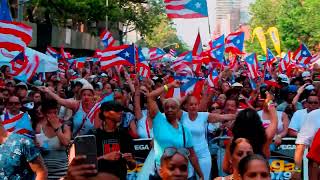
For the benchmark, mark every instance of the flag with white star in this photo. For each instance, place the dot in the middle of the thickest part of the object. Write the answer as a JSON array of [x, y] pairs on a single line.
[[218, 54], [118, 55], [186, 9], [234, 43], [302, 55], [252, 65]]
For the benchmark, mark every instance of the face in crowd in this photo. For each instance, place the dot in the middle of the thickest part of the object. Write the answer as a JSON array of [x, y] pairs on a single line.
[[87, 96], [192, 104], [312, 103], [174, 167], [171, 109], [14, 105], [254, 167], [240, 148], [230, 106]]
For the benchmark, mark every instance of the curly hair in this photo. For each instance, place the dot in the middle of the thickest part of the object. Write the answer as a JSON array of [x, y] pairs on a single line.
[[248, 125]]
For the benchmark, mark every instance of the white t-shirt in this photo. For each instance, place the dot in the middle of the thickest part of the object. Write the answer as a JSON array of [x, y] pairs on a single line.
[[142, 126], [297, 119], [198, 130], [309, 128]]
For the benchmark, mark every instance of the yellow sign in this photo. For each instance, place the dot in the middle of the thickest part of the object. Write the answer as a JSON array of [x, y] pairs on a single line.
[[258, 31], [274, 35]]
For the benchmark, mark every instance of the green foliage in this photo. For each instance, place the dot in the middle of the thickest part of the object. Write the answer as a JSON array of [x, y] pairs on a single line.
[[141, 16], [297, 21]]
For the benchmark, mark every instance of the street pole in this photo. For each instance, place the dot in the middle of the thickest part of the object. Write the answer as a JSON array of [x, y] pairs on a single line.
[[107, 20], [20, 10]]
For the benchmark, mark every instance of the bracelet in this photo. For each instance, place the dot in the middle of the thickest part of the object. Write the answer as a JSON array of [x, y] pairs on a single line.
[[166, 88]]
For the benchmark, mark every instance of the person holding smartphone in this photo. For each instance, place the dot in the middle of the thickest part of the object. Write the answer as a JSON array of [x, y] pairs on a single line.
[[113, 145]]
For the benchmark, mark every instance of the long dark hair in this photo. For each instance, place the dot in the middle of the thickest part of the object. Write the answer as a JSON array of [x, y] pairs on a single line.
[[244, 163], [248, 125]]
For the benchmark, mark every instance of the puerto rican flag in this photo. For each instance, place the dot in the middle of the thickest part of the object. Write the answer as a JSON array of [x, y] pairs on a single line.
[[118, 55], [197, 47], [252, 65], [270, 57], [253, 84], [96, 108], [186, 9], [156, 54], [64, 54], [189, 85], [218, 54], [20, 124], [219, 41], [182, 68], [315, 58], [302, 55], [284, 63], [78, 62], [234, 43], [213, 78], [24, 69], [52, 52], [143, 69], [186, 56], [173, 52], [141, 56], [107, 38], [14, 36]]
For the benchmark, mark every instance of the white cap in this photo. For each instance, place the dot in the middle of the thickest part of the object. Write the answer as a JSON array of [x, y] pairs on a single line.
[[310, 87], [236, 84], [284, 78], [87, 86], [104, 75]]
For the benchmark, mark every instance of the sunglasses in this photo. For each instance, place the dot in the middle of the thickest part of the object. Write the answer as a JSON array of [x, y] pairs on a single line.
[[313, 102], [171, 151], [13, 103]]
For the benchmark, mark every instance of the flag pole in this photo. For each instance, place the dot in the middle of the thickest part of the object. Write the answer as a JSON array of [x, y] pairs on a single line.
[[209, 26]]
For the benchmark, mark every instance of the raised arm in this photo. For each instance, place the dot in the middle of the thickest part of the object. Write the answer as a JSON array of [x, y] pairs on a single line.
[[299, 92], [137, 107], [272, 128], [68, 103], [214, 117]]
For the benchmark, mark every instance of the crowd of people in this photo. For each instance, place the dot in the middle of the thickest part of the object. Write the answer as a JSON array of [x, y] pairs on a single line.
[[189, 133]]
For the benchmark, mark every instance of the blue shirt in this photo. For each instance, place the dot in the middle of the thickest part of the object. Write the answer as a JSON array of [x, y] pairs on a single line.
[[15, 153], [165, 135]]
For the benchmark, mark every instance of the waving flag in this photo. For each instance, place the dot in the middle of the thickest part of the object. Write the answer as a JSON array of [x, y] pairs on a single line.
[[5, 11], [197, 47], [52, 52], [186, 56], [252, 65], [218, 54], [107, 38], [253, 84], [19, 63], [173, 52], [284, 63], [189, 85], [186, 8], [27, 70], [141, 55], [182, 68], [217, 42], [234, 43], [213, 78], [143, 69], [156, 54], [270, 57], [64, 54], [14, 36], [77, 63], [315, 59], [20, 124], [302, 55], [96, 108], [118, 55]]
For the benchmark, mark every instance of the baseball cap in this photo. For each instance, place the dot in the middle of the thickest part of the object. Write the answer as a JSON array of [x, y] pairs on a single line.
[[236, 84], [306, 75], [284, 78], [104, 75], [22, 84], [310, 87], [292, 88]]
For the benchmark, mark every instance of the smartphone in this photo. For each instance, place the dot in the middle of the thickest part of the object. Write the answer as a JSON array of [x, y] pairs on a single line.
[[86, 145]]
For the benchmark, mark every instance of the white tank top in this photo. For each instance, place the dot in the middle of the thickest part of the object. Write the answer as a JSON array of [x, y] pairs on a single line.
[[142, 126], [52, 143], [266, 122]]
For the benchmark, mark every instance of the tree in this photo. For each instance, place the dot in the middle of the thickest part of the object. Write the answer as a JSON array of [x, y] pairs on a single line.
[[297, 21], [164, 36]]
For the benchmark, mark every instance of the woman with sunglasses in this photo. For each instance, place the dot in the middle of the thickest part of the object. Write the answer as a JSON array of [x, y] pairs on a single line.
[[79, 108], [197, 123], [18, 153], [167, 130], [174, 164]]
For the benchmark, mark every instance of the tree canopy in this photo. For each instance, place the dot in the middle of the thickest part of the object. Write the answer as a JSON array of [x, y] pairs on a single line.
[[298, 21]]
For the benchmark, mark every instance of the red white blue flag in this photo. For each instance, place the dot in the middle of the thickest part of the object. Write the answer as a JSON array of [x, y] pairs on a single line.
[[186, 56], [156, 54], [52, 52], [24, 69], [218, 54], [197, 47], [14, 36], [252, 65], [143, 69], [64, 54], [190, 85], [107, 38], [302, 55], [213, 78], [234, 43], [96, 108], [186, 9], [118, 55], [219, 41], [20, 124], [284, 63], [173, 52]]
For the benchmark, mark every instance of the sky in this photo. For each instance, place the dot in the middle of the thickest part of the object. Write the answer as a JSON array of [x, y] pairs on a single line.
[[187, 29]]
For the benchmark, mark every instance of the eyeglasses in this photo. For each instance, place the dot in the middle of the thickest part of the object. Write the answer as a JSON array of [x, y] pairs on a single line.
[[13, 103], [313, 102], [171, 151]]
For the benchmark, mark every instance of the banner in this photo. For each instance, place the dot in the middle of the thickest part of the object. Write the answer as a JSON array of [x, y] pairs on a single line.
[[282, 160], [258, 31], [274, 35]]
